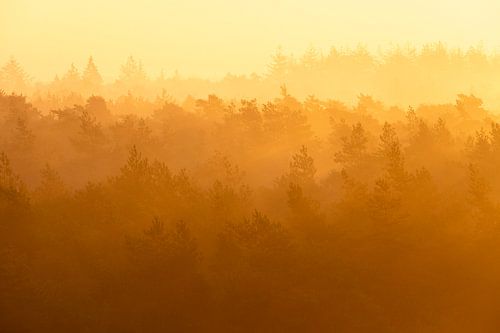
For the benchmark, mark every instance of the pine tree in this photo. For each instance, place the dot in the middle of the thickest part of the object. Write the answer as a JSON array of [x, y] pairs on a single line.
[[51, 185], [353, 146], [91, 77], [132, 71], [279, 64], [310, 58], [302, 166], [13, 78], [24, 137], [391, 152], [71, 80], [12, 190]]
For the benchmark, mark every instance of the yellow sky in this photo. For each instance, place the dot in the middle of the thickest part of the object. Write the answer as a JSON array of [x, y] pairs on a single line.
[[210, 38]]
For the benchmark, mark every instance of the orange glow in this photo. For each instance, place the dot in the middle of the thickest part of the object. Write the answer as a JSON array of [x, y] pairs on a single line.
[[249, 166]]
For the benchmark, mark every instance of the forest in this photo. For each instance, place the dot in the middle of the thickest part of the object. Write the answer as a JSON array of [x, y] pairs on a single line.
[[400, 75], [371, 205]]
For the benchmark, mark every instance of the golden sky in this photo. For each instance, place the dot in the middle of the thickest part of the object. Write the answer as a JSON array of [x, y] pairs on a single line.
[[210, 38]]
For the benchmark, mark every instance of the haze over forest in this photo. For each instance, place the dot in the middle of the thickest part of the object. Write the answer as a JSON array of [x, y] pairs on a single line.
[[336, 189], [399, 76]]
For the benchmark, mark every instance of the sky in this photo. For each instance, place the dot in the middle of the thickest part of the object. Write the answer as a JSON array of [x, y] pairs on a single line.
[[211, 38]]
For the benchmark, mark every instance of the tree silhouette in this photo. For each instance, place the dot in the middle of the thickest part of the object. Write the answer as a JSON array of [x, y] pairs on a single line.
[[91, 78], [279, 65], [13, 78], [353, 147]]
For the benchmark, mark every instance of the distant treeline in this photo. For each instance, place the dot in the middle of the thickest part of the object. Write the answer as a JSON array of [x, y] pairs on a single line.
[[406, 75]]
